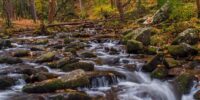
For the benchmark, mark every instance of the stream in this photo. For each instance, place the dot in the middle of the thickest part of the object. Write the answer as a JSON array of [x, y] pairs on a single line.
[[136, 86]]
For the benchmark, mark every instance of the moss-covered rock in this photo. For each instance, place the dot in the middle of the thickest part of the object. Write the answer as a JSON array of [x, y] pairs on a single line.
[[78, 65], [6, 82], [182, 50], [68, 40], [41, 42], [152, 50], [141, 34], [172, 62], [154, 62], [72, 80], [134, 46], [62, 62], [160, 72], [88, 55], [189, 36], [10, 60], [50, 56], [20, 53], [5, 44], [197, 95], [184, 82]]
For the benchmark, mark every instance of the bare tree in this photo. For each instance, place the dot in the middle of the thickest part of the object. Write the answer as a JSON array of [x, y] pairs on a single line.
[[52, 10], [32, 10], [8, 11], [198, 8], [120, 8]]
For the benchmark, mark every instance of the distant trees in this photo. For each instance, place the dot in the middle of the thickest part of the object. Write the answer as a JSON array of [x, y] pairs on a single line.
[[8, 9], [120, 7], [33, 10], [52, 10]]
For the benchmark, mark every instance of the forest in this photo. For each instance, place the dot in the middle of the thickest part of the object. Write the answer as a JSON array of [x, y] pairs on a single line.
[[99, 49]]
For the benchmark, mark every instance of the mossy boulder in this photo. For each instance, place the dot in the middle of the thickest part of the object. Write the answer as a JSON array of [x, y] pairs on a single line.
[[154, 62], [41, 42], [152, 50], [68, 40], [189, 36], [71, 80], [10, 60], [172, 62], [182, 50], [88, 55], [20, 53], [142, 35], [184, 82], [6, 82], [134, 46], [160, 72], [197, 95], [78, 65], [50, 56], [5, 44], [62, 62]]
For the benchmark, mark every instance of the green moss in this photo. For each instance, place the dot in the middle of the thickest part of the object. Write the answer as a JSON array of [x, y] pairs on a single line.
[[46, 57], [134, 46], [152, 50], [42, 42], [159, 72], [78, 65]]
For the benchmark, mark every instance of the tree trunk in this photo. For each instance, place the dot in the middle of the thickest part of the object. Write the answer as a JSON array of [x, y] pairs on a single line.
[[52, 10], [198, 8], [32, 9], [120, 9], [7, 8]]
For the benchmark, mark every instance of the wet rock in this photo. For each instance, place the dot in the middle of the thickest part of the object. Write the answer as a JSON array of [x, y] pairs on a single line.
[[20, 53], [182, 50], [6, 82], [184, 82], [68, 40], [41, 42], [70, 95], [154, 62], [72, 80], [189, 36], [50, 56], [76, 45], [40, 76], [130, 67], [62, 62], [10, 60], [5, 44], [109, 60], [78, 65], [88, 55], [160, 72], [142, 35], [134, 46], [197, 95], [37, 48]]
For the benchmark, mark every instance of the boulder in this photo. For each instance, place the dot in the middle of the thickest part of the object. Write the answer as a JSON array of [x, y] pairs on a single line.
[[88, 55], [5, 44], [78, 65], [74, 79], [41, 41], [154, 62], [152, 50], [48, 57], [142, 35], [182, 50], [10, 60], [161, 15], [184, 82], [20, 53], [134, 46], [175, 71], [172, 62], [160, 72], [6, 82], [189, 36], [197, 95]]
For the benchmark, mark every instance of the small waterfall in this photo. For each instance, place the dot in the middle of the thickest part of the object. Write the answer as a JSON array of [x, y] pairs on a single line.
[[104, 81]]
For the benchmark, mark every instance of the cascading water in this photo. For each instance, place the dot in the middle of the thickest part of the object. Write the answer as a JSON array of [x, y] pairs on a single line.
[[137, 85]]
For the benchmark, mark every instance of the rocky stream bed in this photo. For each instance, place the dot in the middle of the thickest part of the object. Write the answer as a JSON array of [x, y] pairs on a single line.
[[65, 66]]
